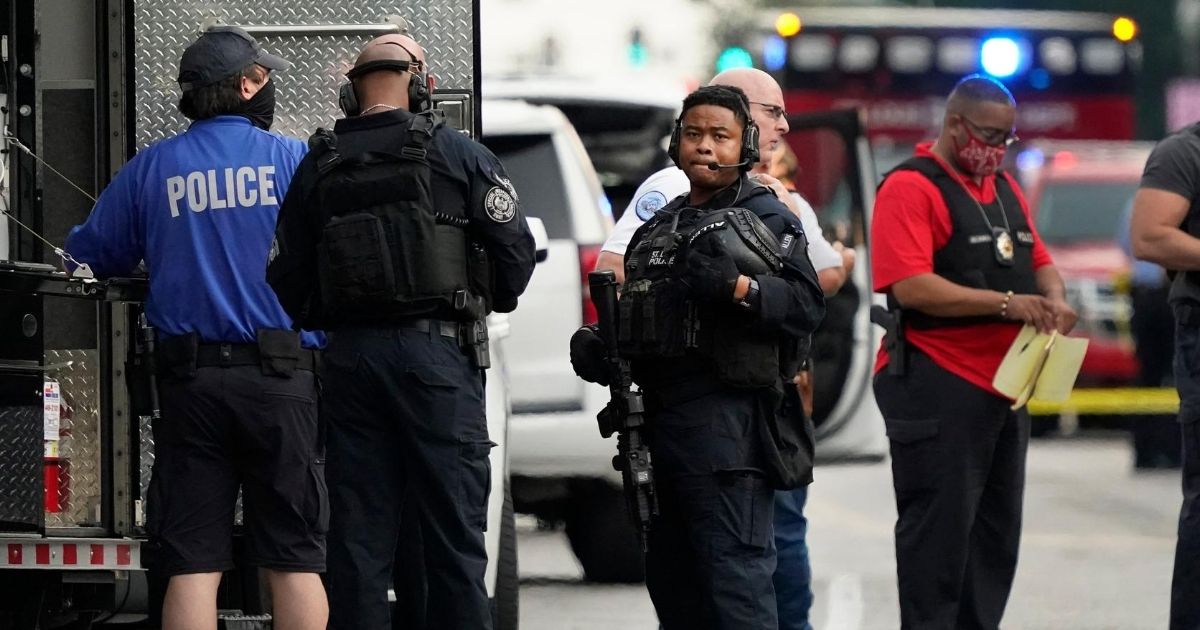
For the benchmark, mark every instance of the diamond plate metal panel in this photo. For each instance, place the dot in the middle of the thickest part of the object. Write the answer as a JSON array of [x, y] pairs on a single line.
[[77, 372], [21, 464], [307, 92]]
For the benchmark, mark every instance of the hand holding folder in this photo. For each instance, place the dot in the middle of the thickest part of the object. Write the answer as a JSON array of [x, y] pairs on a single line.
[[1040, 366]]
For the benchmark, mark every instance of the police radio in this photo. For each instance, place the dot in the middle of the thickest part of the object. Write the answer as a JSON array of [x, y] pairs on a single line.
[[750, 153], [419, 85]]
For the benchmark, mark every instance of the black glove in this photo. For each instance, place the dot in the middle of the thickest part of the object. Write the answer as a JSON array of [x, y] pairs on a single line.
[[711, 273], [587, 356]]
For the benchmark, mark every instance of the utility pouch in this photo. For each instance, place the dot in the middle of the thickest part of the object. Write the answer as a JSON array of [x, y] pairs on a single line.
[[278, 351], [177, 356], [473, 339]]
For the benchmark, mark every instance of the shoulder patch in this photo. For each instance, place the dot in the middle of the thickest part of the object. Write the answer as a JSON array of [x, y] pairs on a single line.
[[648, 204], [500, 204]]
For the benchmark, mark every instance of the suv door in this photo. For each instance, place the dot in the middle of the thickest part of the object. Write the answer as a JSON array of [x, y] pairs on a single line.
[[835, 174]]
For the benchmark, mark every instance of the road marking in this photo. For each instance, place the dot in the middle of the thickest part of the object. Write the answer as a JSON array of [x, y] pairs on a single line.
[[845, 603]]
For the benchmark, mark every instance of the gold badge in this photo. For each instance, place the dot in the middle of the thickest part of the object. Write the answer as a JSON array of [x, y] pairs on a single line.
[[1004, 245]]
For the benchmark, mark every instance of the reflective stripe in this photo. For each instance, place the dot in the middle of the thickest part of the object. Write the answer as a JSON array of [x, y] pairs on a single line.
[[1126, 400], [45, 553]]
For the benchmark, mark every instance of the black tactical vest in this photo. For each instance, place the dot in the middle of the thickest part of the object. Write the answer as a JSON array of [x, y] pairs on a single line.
[[385, 250], [1185, 286], [661, 325], [969, 258]]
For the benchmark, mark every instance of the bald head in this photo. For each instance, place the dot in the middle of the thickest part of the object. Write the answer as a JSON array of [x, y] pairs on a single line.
[[758, 85], [386, 85], [766, 107]]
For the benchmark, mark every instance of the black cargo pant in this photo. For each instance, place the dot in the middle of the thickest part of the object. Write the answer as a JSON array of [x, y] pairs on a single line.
[[711, 553], [1155, 437], [1185, 585], [406, 423], [958, 470]]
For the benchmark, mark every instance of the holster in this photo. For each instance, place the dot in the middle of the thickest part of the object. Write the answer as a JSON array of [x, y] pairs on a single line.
[[177, 356], [473, 339], [278, 351], [893, 342]]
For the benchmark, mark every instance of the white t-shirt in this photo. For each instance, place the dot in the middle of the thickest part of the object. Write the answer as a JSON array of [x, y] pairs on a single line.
[[669, 183]]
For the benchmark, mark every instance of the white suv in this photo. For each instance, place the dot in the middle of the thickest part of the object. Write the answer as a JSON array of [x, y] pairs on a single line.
[[560, 466]]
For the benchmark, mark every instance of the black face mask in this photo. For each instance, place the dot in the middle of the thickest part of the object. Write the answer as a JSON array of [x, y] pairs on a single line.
[[260, 109]]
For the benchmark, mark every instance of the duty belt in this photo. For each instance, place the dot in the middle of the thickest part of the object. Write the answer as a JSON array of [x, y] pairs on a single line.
[[443, 328], [239, 354]]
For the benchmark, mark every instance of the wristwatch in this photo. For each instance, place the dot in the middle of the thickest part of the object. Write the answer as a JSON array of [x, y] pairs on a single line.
[[750, 300]]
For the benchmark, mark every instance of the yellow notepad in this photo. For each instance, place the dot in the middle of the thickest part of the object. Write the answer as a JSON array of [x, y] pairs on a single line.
[[1040, 366]]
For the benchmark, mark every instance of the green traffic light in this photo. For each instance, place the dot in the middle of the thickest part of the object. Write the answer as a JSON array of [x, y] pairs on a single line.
[[734, 57], [637, 55]]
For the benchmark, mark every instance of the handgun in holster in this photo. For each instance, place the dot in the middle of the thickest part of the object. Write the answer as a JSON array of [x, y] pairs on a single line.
[[473, 336], [893, 341]]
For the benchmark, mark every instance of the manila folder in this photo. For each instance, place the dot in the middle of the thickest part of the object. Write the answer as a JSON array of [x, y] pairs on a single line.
[[1041, 366]]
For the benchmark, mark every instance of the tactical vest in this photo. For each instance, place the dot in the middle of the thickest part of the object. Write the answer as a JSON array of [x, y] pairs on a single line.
[[1185, 286], [969, 258], [660, 320], [385, 250]]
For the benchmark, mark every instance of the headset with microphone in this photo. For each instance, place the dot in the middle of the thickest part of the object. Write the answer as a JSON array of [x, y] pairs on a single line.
[[420, 98], [749, 154]]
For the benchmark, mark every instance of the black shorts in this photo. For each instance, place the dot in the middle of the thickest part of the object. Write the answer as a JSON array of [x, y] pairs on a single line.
[[232, 427]]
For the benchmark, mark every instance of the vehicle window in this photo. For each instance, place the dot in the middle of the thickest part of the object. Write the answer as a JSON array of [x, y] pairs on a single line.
[[1075, 212], [535, 172], [625, 142]]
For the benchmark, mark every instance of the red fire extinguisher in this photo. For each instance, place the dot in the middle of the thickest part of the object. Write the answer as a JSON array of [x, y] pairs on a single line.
[[56, 476]]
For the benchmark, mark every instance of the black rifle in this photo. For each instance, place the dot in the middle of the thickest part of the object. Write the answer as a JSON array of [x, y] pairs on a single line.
[[624, 414], [146, 336]]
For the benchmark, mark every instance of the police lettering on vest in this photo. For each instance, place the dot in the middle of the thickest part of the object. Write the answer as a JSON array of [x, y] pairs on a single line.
[[242, 187]]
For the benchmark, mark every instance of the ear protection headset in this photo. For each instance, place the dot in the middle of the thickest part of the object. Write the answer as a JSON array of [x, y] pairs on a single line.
[[749, 154], [419, 97]]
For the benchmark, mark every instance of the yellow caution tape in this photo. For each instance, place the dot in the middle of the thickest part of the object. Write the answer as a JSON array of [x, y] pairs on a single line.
[[1125, 400]]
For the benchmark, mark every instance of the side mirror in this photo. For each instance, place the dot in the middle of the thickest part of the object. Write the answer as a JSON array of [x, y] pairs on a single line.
[[541, 241]]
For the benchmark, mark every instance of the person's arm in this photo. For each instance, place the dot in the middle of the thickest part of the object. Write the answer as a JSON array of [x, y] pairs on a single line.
[[111, 240], [613, 262], [902, 244], [1050, 283], [650, 197], [292, 266], [1157, 233], [494, 210]]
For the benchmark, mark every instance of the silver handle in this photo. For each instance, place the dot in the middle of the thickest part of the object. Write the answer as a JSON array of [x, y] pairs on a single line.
[[390, 24]]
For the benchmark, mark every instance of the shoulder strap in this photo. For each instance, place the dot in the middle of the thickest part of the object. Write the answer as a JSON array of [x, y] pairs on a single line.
[[323, 145], [420, 133]]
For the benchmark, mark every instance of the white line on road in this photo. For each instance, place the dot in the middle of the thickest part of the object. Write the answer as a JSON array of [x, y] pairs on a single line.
[[845, 603]]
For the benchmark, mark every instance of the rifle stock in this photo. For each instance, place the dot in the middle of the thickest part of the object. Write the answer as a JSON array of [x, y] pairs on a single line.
[[625, 413]]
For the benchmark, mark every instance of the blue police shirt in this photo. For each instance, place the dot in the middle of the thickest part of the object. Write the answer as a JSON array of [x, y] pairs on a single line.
[[200, 209]]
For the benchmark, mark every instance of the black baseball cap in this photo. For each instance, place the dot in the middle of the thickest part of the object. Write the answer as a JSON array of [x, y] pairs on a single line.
[[221, 52]]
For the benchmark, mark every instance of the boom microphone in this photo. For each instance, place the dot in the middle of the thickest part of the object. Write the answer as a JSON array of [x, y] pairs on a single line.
[[714, 166]]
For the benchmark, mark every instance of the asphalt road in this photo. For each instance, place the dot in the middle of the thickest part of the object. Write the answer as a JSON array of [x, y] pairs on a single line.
[[1096, 552]]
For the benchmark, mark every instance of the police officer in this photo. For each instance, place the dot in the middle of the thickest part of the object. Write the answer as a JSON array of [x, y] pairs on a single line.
[[955, 251], [793, 575], [399, 237], [1166, 230], [714, 305], [238, 392]]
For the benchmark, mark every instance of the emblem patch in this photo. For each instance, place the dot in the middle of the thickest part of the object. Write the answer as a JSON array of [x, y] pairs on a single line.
[[500, 205], [648, 204]]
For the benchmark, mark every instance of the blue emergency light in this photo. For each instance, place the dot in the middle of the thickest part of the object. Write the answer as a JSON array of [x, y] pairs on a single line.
[[775, 51], [1000, 56]]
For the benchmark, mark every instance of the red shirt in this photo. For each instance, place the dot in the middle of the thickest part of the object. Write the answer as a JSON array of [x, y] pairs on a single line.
[[911, 222]]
